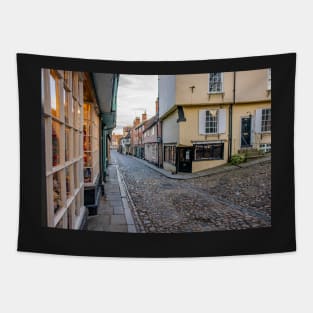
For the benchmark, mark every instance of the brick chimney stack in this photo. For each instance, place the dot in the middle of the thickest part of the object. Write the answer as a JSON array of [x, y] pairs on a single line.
[[136, 121], [157, 106], [144, 116]]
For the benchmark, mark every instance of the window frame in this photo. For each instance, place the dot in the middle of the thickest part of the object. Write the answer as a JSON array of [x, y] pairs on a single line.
[[211, 158], [264, 121], [210, 121], [170, 156], [69, 165], [221, 82]]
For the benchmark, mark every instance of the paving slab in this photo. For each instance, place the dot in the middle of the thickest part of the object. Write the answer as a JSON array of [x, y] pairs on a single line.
[[113, 211], [118, 219]]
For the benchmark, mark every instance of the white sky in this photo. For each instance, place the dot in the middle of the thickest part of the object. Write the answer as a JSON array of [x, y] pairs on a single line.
[[136, 93]]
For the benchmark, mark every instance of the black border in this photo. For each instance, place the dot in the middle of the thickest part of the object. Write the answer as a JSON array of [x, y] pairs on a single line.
[[34, 238]]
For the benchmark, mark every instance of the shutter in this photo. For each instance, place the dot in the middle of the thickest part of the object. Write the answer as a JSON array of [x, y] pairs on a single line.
[[221, 123], [202, 115], [258, 121]]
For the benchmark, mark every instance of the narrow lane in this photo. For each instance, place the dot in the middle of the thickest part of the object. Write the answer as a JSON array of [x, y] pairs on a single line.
[[221, 202]]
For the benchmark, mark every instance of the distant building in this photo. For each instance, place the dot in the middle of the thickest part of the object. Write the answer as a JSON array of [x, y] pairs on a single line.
[[125, 141], [115, 141], [137, 136], [152, 139], [133, 135]]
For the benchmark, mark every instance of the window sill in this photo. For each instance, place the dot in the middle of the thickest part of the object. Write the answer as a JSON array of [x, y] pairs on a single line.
[[216, 93]]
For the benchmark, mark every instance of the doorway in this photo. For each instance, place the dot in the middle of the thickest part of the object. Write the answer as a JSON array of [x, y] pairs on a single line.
[[246, 132], [185, 156]]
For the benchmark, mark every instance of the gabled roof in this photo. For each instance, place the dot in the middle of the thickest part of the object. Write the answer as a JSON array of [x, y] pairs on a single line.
[[151, 122]]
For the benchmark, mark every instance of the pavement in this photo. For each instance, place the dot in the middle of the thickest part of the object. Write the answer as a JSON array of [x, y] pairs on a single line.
[[114, 213], [212, 171]]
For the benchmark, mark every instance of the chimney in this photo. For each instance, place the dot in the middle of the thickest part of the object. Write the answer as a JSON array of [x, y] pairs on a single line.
[[157, 106], [136, 121], [144, 116]]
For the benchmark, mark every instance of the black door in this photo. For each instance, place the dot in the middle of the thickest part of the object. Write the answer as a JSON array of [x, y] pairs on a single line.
[[246, 132], [185, 160]]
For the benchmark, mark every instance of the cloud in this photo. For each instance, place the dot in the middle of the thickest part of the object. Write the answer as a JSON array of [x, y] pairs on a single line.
[[136, 94]]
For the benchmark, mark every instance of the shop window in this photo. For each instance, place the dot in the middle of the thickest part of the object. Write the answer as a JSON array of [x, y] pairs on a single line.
[[77, 205], [57, 201], [170, 154], [75, 85], [87, 159], [66, 105], [78, 125], [87, 143], [70, 217], [55, 143], [87, 175], [67, 144], [76, 176], [68, 181], [54, 95], [213, 151], [90, 143], [64, 151]]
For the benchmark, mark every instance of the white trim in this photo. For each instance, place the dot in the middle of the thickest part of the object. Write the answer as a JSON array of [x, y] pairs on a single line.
[[204, 126], [265, 131]]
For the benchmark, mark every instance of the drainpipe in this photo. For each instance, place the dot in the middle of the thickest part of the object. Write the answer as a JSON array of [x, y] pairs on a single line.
[[230, 124]]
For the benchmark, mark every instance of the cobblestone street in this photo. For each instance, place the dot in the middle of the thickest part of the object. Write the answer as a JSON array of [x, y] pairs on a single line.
[[237, 199]]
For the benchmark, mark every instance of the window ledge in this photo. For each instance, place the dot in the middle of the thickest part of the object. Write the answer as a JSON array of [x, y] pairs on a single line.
[[210, 134], [216, 93]]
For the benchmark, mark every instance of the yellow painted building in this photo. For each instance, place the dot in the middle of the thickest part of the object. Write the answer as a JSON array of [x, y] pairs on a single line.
[[207, 118]]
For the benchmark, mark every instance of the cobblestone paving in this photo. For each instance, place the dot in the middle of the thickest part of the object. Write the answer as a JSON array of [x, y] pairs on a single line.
[[239, 199]]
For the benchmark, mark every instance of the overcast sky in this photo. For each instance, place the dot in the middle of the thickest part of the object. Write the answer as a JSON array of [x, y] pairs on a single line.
[[136, 93]]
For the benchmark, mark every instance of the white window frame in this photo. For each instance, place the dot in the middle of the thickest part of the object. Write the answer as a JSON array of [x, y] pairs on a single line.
[[265, 131], [216, 121], [222, 84]]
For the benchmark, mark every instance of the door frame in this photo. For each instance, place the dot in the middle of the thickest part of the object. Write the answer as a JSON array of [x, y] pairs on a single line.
[[178, 158], [241, 118]]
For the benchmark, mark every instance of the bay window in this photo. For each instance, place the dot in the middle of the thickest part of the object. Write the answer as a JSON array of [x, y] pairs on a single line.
[[63, 181]]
